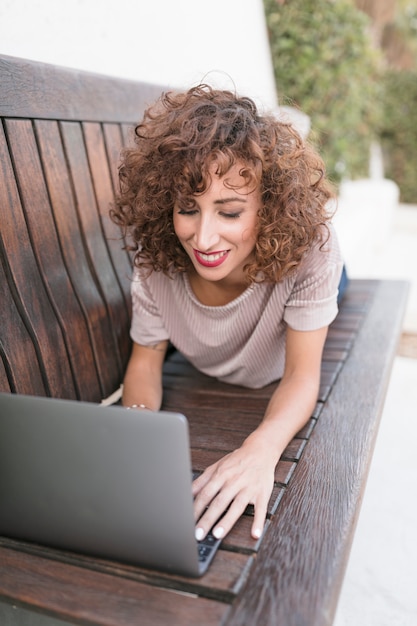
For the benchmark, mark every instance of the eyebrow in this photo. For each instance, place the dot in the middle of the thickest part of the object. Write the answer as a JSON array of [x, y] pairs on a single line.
[[231, 199]]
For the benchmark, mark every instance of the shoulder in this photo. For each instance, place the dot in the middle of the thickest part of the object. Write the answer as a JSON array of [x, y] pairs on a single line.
[[152, 283], [323, 257]]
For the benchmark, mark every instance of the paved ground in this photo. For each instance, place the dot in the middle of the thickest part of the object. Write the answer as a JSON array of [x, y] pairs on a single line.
[[380, 587]]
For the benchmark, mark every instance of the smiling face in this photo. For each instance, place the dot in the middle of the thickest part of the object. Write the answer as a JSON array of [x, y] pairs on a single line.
[[218, 232]]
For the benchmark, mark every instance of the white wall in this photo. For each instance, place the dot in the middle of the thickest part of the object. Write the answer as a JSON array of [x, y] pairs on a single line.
[[177, 43]]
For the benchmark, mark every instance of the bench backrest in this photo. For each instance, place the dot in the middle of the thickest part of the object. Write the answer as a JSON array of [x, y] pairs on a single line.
[[64, 275]]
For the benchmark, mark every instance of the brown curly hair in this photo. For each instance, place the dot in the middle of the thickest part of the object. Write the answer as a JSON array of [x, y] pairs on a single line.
[[178, 139]]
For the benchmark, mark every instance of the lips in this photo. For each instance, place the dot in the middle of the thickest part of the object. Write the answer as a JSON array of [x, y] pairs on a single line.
[[212, 259]]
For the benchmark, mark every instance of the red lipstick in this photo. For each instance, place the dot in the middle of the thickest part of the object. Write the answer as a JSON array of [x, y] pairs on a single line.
[[211, 259]]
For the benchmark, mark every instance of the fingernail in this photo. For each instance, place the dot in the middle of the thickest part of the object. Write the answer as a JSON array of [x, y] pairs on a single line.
[[257, 533], [218, 532], [199, 534]]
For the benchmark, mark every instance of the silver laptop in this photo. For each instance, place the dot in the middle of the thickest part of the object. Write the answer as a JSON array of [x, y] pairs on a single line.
[[101, 481]]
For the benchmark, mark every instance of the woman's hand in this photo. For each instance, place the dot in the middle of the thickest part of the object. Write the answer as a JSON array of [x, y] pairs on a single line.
[[245, 476]]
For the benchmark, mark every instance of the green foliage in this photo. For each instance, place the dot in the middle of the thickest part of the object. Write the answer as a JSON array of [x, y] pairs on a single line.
[[325, 64], [399, 131], [406, 23]]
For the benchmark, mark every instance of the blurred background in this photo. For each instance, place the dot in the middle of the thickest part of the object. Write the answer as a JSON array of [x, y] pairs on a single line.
[[346, 72]]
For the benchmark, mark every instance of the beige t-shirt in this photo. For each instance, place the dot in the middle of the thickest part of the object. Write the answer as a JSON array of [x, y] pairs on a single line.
[[242, 342]]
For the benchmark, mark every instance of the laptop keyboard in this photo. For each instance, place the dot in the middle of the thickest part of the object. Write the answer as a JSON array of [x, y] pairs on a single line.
[[206, 546]]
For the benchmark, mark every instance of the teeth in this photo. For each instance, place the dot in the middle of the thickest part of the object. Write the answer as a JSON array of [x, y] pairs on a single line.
[[211, 257]]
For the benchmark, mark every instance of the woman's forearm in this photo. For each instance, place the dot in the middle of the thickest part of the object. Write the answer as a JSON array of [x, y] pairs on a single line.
[[140, 388], [142, 384], [289, 408], [293, 401]]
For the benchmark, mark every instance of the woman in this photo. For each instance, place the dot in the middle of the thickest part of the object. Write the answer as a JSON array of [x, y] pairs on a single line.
[[237, 266]]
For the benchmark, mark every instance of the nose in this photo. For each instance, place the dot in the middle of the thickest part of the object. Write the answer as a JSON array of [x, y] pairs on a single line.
[[207, 235]]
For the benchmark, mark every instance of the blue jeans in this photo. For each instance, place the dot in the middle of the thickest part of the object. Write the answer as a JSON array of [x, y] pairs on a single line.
[[343, 283]]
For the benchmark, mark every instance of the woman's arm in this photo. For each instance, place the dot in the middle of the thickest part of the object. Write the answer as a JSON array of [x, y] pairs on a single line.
[[143, 379], [246, 476]]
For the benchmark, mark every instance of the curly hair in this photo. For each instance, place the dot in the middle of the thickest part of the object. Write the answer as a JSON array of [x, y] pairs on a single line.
[[177, 140]]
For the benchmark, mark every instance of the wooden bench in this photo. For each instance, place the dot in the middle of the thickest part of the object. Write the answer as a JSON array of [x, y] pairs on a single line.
[[64, 332]]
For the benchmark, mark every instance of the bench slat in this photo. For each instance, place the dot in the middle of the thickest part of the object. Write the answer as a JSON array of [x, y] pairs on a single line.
[[47, 583], [104, 192], [31, 89], [92, 236], [19, 364], [27, 269], [75, 287], [222, 582]]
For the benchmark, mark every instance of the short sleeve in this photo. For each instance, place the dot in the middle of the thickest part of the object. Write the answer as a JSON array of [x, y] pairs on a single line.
[[312, 303], [147, 327]]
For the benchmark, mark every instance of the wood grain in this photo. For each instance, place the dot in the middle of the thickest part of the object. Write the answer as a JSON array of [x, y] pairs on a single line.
[[87, 596], [314, 525], [31, 89]]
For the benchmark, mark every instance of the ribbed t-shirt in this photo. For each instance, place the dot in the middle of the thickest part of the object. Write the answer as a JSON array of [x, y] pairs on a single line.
[[242, 342]]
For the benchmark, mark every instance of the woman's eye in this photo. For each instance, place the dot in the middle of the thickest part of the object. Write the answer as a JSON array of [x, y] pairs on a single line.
[[231, 216], [187, 211]]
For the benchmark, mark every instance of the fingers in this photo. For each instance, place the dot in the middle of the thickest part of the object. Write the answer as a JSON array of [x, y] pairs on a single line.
[[224, 490], [259, 519], [205, 488], [227, 507], [211, 518]]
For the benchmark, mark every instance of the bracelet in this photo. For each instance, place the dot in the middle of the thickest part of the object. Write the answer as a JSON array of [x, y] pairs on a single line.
[[138, 406]]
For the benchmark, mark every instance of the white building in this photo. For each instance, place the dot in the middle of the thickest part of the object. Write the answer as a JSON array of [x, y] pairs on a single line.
[[176, 43]]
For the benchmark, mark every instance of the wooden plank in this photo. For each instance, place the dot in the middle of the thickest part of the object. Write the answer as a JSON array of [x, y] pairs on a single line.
[[5, 384], [89, 326], [195, 390], [223, 580], [128, 134], [30, 89], [305, 432], [102, 178], [207, 438], [86, 596], [186, 378], [23, 267], [112, 236], [99, 261], [16, 615], [20, 372], [347, 319], [311, 534], [334, 354], [244, 421], [114, 135], [113, 138]]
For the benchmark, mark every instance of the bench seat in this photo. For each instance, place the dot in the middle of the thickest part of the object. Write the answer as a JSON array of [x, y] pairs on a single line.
[[64, 332]]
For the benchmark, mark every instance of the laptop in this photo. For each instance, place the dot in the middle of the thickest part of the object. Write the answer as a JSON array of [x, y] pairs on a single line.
[[102, 481]]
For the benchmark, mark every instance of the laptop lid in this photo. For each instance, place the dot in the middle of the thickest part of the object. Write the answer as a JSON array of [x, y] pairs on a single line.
[[102, 481]]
